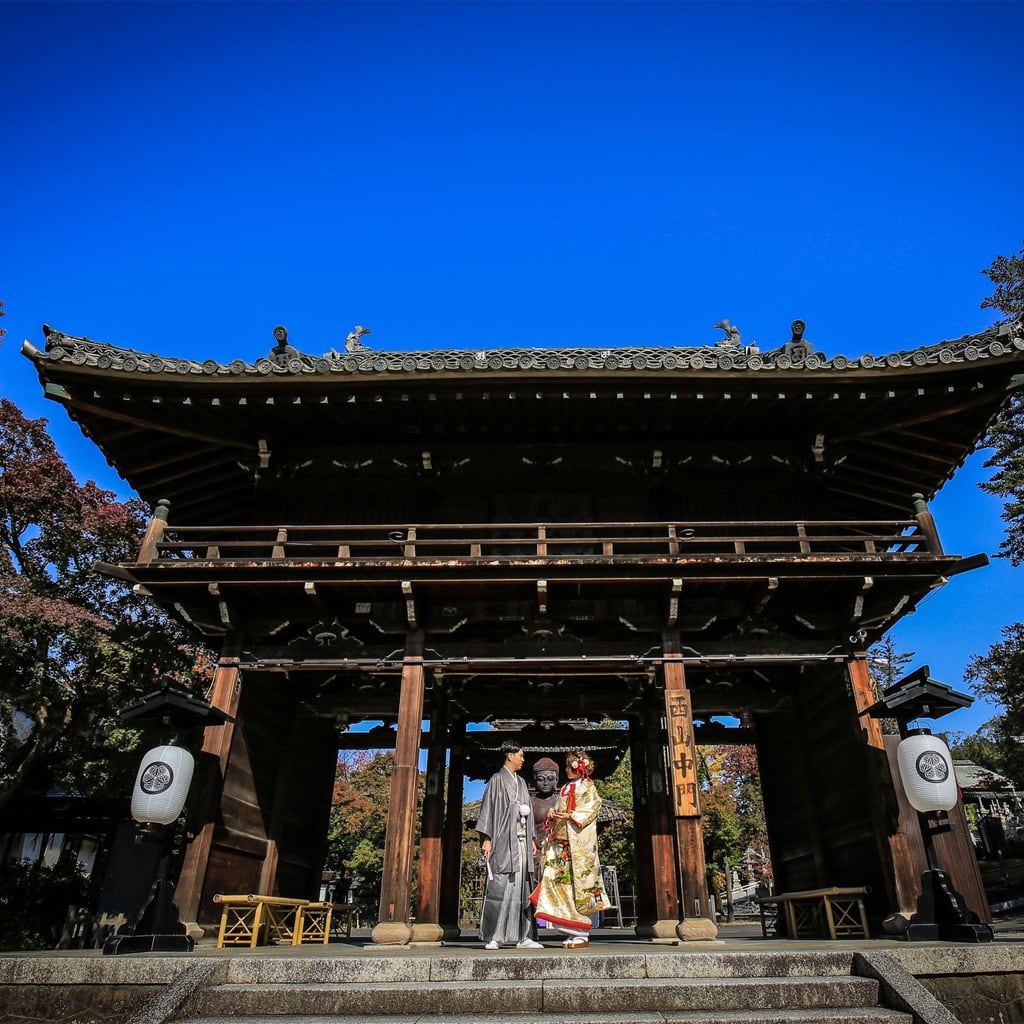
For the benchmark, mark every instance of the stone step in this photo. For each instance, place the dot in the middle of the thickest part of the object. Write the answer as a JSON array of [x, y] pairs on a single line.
[[537, 966], [834, 1015], [532, 995]]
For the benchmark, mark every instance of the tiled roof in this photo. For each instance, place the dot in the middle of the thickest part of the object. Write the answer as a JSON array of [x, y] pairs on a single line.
[[970, 776], [286, 360]]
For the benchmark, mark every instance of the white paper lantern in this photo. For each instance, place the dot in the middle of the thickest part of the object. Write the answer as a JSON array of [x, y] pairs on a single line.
[[162, 784], [926, 768]]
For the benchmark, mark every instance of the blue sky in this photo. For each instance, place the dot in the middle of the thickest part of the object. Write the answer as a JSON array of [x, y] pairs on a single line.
[[181, 177]]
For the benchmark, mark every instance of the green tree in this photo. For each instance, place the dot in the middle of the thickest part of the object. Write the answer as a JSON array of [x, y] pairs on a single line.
[[732, 817], [1007, 274], [994, 746], [75, 646], [887, 665], [999, 674], [618, 840], [358, 823], [34, 901], [1006, 435]]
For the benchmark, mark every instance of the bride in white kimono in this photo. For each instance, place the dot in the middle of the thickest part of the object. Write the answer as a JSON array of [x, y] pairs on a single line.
[[571, 890]]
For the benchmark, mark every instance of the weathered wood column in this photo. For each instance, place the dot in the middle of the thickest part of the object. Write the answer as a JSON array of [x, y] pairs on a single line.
[[644, 907], [901, 878], [428, 892], [451, 840], [664, 877], [148, 550], [299, 816], [213, 764], [803, 794], [696, 923], [396, 883], [927, 523]]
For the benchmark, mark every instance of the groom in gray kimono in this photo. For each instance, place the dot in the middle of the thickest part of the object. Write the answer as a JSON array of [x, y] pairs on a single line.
[[508, 843]]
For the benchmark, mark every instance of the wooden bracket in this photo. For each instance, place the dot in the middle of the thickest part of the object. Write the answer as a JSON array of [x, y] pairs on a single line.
[[673, 604], [858, 601], [771, 585], [222, 605], [410, 604]]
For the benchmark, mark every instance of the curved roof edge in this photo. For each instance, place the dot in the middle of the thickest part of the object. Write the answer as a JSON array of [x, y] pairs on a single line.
[[998, 340]]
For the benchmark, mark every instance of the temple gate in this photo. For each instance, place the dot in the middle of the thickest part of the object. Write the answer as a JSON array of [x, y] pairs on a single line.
[[652, 535]]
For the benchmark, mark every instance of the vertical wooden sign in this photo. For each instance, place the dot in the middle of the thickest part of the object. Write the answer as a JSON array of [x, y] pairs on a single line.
[[682, 751]]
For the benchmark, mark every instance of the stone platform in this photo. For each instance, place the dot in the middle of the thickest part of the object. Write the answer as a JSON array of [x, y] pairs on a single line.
[[740, 977]]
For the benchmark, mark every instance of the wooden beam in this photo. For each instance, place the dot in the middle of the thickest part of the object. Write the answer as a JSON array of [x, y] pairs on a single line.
[[858, 601], [205, 809], [157, 427], [451, 853], [646, 889], [664, 877], [892, 845], [410, 604], [942, 412], [921, 456], [428, 890], [673, 603], [396, 880], [682, 756]]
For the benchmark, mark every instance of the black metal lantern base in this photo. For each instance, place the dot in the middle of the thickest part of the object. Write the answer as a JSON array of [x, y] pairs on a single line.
[[157, 928], [942, 914], [118, 944]]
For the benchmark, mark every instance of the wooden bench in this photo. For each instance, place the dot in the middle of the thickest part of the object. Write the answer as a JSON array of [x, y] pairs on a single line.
[[249, 919], [318, 921], [834, 913]]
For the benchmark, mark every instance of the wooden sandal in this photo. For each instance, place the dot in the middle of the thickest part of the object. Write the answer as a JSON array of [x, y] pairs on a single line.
[[576, 942]]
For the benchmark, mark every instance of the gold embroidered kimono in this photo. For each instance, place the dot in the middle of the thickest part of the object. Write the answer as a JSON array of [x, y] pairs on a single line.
[[571, 889]]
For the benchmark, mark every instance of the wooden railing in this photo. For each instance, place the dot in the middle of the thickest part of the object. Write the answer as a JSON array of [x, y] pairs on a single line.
[[548, 542]]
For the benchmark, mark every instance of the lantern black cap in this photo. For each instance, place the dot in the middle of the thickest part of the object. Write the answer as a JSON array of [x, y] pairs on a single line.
[[918, 696], [172, 707]]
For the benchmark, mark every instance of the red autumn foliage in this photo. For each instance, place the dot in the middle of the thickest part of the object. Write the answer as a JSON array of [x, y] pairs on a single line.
[[75, 646]]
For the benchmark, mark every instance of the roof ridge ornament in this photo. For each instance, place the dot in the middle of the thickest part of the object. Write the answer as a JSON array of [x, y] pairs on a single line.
[[733, 338], [797, 348], [1002, 340], [282, 350], [353, 342]]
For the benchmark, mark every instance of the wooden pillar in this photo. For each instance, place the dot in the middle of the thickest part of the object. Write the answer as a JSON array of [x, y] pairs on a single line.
[[664, 877], [298, 819], [428, 891], [213, 763], [696, 923], [148, 550], [451, 853], [282, 791], [396, 882], [901, 879], [928, 528], [808, 800], [644, 906]]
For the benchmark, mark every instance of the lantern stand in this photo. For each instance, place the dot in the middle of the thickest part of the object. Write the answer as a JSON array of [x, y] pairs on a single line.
[[941, 910], [158, 926]]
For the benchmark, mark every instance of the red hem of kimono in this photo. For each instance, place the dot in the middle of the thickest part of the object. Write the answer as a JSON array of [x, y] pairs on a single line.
[[561, 922]]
